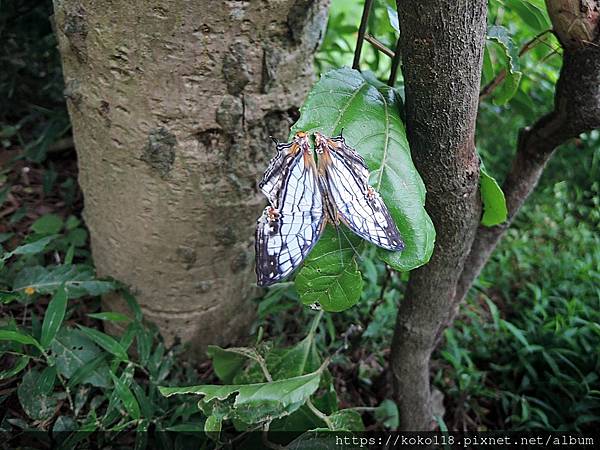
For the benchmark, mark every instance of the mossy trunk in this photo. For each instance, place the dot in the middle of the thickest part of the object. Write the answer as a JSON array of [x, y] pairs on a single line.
[[172, 105]]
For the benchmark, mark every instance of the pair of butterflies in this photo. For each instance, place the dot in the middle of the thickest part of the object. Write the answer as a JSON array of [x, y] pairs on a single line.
[[304, 196]]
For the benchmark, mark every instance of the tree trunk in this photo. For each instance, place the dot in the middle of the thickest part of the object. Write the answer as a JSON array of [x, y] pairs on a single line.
[[172, 105], [442, 50]]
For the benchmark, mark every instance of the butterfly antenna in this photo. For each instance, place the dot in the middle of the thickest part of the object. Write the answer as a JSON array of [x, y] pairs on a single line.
[[274, 140], [351, 245]]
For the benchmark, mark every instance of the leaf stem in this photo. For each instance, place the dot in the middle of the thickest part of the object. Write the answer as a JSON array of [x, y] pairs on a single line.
[[324, 417]]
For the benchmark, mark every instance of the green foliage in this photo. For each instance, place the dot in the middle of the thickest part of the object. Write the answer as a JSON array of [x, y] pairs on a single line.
[[330, 277], [492, 197], [33, 112], [274, 388], [104, 385], [526, 351], [512, 76], [369, 112]]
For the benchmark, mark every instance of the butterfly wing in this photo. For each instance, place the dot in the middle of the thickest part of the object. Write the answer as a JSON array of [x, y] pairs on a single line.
[[344, 176], [270, 184], [287, 233]]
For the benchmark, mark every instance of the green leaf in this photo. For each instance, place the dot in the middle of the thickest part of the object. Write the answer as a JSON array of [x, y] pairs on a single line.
[[37, 404], [347, 420], [109, 316], [54, 316], [256, 402], [508, 88], [79, 280], [368, 112], [212, 427], [324, 439], [17, 367], [105, 341], [8, 297], [226, 363], [330, 277], [132, 304], [125, 395], [76, 355], [32, 248], [492, 197], [297, 360], [47, 224], [534, 16], [510, 84], [393, 18], [488, 65], [387, 413], [5, 236], [21, 338]]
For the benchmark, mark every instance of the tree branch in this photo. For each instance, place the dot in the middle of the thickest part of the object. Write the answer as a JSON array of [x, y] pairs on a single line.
[[442, 50], [576, 111]]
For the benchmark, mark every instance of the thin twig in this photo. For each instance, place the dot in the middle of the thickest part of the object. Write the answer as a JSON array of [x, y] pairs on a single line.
[[379, 45], [361, 33]]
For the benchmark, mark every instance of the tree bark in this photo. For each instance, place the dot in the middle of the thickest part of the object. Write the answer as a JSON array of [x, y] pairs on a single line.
[[172, 105], [442, 50]]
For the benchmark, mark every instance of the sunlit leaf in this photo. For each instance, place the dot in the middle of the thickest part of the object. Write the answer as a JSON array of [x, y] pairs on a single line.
[[492, 197]]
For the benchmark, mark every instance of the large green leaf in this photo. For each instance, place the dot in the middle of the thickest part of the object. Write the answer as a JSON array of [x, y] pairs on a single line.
[[330, 275], [348, 420], [226, 362], [368, 112], [253, 403], [78, 280]]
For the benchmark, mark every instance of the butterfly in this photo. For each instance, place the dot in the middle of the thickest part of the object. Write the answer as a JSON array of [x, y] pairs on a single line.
[[304, 197], [344, 176], [291, 225]]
